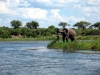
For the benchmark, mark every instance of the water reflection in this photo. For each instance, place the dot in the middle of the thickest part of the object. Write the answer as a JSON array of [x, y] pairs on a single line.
[[33, 58]]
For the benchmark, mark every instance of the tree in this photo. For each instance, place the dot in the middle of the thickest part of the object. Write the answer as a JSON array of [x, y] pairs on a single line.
[[28, 25], [32, 24], [82, 24], [52, 29], [96, 25], [4, 33], [16, 24], [63, 24]]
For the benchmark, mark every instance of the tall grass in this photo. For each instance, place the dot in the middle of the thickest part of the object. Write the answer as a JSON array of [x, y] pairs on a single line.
[[77, 45], [87, 37]]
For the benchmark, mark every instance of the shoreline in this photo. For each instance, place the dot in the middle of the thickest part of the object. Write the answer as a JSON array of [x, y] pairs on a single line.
[[24, 39], [76, 45]]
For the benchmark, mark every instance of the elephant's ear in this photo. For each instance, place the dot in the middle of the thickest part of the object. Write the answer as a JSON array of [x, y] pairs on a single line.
[[66, 30]]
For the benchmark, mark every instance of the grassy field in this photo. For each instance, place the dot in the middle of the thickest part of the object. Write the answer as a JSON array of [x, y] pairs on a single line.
[[81, 43]]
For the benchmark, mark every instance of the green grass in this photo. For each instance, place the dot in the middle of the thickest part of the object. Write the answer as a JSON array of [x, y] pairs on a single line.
[[27, 39], [87, 37], [76, 45]]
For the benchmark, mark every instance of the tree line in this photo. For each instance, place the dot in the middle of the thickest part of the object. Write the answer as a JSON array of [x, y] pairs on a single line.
[[84, 28], [31, 29]]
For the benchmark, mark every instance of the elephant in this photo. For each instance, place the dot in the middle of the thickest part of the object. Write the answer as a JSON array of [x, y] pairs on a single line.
[[66, 34]]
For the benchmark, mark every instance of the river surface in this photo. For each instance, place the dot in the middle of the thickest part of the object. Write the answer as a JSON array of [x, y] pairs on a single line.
[[34, 58]]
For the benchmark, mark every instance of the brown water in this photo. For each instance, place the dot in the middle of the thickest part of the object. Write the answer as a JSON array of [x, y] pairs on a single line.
[[33, 58]]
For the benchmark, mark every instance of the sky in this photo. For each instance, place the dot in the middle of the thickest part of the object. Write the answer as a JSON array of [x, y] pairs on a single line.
[[49, 12]]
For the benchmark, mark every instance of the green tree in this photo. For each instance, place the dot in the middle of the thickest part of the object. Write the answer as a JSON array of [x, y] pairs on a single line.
[[40, 32], [32, 25], [16, 24], [63, 24], [96, 25], [23, 31], [28, 25], [16, 31], [4, 33], [52, 29], [82, 24]]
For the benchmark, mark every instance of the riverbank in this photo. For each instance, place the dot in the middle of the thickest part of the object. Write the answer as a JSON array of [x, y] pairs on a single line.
[[93, 45], [27, 39]]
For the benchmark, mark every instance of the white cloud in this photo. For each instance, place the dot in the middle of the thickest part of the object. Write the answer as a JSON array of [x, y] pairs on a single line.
[[29, 13], [16, 3], [57, 1], [54, 3], [32, 13], [24, 3], [88, 8], [55, 15], [75, 19], [94, 2], [44, 1], [5, 9]]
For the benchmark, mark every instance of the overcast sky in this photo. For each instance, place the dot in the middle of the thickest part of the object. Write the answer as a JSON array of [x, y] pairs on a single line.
[[49, 12]]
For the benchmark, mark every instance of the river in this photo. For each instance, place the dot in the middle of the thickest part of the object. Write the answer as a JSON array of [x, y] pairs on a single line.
[[34, 58]]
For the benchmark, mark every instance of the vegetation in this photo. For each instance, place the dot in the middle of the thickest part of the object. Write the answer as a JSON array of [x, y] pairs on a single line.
[[63, 24], [82, 24], [77, 45], [96, 25], [32, 31], [87, 38], [32, 25], [16, 24]]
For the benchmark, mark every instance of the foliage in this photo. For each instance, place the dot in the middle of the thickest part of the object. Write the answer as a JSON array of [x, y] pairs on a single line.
[[87, 32], [4, 34], [52, 29], [82, 24], [31, 30], [32, 25], [63, 24], [16, 24], [96, 25], [87, 37]]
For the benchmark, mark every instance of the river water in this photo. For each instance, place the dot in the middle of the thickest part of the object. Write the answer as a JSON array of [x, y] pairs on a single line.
[[34, 58]]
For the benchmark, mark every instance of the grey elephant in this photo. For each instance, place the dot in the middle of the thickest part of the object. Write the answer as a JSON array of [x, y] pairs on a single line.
[[66, 34]]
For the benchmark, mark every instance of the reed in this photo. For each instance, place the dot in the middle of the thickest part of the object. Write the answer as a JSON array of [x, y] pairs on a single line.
[[76, 45], [88, 37]]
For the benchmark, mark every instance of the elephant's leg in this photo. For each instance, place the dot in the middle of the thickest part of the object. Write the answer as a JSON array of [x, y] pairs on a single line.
[[72, 38], [67, 36], [63, 38], [66, 39]]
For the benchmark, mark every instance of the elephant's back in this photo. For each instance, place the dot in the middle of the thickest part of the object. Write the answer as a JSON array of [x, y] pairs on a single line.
[[71, 32]]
